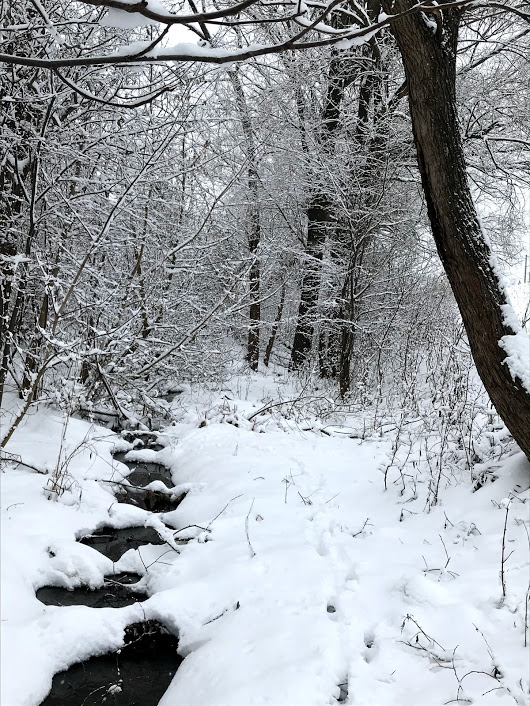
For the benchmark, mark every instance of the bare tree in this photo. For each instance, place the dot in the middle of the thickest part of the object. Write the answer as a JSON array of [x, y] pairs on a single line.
[[254, 221]]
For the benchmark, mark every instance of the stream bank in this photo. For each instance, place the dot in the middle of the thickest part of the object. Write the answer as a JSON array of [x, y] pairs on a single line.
[[139, 673]]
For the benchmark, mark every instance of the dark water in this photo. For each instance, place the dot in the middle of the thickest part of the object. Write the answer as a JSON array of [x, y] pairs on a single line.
[[114, 543], [141, 439], [145, 473], [118, 591], [142, 474], [140, 673], [137, 675], [150, 500]]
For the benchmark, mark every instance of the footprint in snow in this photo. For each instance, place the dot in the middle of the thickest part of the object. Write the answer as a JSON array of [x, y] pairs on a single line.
[[372, 648]]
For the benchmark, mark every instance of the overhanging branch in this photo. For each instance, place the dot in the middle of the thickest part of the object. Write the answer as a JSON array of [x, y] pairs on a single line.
[[152, 53]]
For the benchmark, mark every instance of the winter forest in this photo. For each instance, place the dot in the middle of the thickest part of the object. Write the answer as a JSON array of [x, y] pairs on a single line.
[[264, 353]]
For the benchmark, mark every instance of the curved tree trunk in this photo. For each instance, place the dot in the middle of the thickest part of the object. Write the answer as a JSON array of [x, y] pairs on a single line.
[[428, 48]]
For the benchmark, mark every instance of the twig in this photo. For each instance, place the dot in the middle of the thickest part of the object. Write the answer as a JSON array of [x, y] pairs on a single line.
[[332, 498], [15, 458], [271, 405], [460, 687], [288, 483], [157, 560], [431, 639], [252, 552], [446, 552], [306, 501], [141, 559], [490, 651], [362, 528], [220, 513], [204, 529], [503, 559], [527, 597]]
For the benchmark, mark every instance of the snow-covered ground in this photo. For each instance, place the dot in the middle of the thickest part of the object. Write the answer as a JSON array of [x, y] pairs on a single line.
[[305, 583]]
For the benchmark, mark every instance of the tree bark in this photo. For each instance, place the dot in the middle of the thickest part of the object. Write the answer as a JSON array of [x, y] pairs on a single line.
[[254, 222], [320, 220], [428, 49], [275, 327]]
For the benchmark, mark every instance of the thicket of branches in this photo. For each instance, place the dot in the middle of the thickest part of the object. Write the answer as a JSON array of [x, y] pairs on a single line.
[[159, 223]]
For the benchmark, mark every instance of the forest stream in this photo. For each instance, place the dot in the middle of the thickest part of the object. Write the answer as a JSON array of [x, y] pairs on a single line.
[[140, 672]]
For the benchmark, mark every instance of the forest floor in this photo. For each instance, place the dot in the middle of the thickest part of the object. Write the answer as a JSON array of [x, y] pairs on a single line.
[[289, 574]]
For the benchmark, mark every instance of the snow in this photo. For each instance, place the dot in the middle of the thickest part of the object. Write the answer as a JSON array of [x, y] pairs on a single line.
[[198, 51], [319, 26], [152, 6], [303, 578], [125, 20], [355, 41], [516, 347], [429, 22]]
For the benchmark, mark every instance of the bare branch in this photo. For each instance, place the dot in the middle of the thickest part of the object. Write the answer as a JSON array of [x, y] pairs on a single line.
[[187, 52]]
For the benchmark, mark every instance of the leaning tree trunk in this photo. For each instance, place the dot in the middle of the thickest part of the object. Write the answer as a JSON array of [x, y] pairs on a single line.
[[428, 54]]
